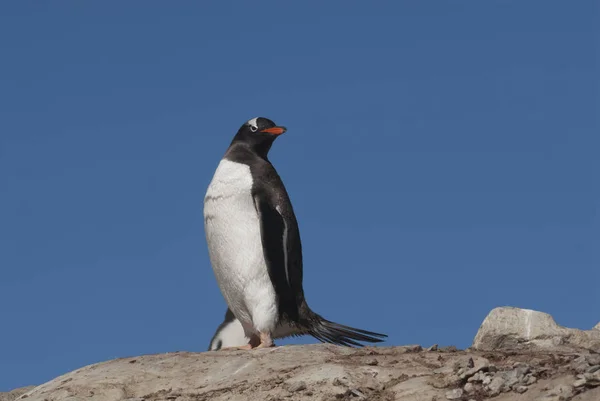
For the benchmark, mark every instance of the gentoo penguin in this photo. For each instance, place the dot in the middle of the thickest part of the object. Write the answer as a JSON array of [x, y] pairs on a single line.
[[254, 246], [229, 334]]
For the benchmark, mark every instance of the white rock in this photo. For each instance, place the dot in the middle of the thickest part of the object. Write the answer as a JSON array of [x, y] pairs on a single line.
[[508, 328], [454, 394]]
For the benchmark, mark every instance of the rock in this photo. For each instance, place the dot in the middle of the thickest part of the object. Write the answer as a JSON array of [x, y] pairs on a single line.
[[496, 385], [14, 394], [591, 395], [508, 328], [579, 382], [521, 389], [593, 359], [455, 394], [593, 369], [297, 386], [580, 364], [597, 327], [434, 347], [530, 380], [469, 387], [562, 391]]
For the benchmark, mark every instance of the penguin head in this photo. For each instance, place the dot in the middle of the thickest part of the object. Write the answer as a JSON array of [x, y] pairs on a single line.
[[259, 133], [261, 127]]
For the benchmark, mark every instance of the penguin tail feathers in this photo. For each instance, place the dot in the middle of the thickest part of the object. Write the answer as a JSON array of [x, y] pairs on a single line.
[[339, 334]]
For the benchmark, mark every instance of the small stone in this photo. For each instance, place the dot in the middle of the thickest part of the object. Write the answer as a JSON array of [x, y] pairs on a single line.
[[487, 380], [579, 383], [455, 394], [469, 387], [593, 369], [337, 382], [521, 389], [496, 385], [531, 380], [475, 378], [372, 362], [580, 364], [593, 359], [297, 386], [563, 391], [434, 347], [460, 371]]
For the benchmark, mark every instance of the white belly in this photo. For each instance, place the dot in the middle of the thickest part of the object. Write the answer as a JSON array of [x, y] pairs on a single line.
[[232, 232]]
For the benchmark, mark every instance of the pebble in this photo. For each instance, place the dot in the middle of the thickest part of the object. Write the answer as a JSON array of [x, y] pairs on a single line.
[[487, 380], [469, 387], [372, 362], [531, 380], [455, 394], [562, 390], [521, 389], [434, 347], [297, 386], [592, 369]]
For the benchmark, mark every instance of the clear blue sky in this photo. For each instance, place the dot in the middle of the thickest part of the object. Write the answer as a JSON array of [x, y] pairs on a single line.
[[440, 157]]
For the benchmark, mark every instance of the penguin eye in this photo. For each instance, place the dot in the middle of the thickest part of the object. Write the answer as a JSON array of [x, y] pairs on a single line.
[[253, 128]]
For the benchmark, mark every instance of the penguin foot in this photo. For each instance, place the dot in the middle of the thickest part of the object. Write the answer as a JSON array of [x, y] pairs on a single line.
[[266, 341]]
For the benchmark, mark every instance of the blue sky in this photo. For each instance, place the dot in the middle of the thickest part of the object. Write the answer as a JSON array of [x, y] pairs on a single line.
[[440, 157]]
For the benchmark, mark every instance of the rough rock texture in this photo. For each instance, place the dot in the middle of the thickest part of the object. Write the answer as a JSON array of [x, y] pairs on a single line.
[[327, 372], [523, 329], [11, 395], [517, 355], [597, 327]]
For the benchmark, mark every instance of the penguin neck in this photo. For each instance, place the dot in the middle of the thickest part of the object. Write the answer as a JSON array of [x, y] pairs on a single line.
[[258, 146]]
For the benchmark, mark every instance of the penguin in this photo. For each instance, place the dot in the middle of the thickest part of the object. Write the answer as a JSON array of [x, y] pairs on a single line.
[[230, 333], [255, 249]]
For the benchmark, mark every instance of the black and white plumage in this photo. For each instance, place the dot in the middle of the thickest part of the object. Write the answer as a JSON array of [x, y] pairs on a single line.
[[255, 249]]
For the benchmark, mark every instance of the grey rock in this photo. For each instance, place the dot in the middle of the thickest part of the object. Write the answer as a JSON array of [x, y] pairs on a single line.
[[508, 328], [521, 389], [593, 369], [434, 347], [593, 359], [562, 390], [469, 387], [496, 385], [487, 379], [14, 394], [579, 383], [580, 364], [531, 380], [297, 386], [455, 394]]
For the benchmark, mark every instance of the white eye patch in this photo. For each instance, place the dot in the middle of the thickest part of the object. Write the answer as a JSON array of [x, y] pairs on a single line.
[[253, 124]]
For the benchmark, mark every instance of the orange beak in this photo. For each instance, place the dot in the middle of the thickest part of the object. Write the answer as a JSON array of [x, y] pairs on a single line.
[[275, 130]]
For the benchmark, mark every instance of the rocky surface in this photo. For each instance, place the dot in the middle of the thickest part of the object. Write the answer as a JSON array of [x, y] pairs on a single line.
[[524, 329], [12, 395], [327, 372]]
